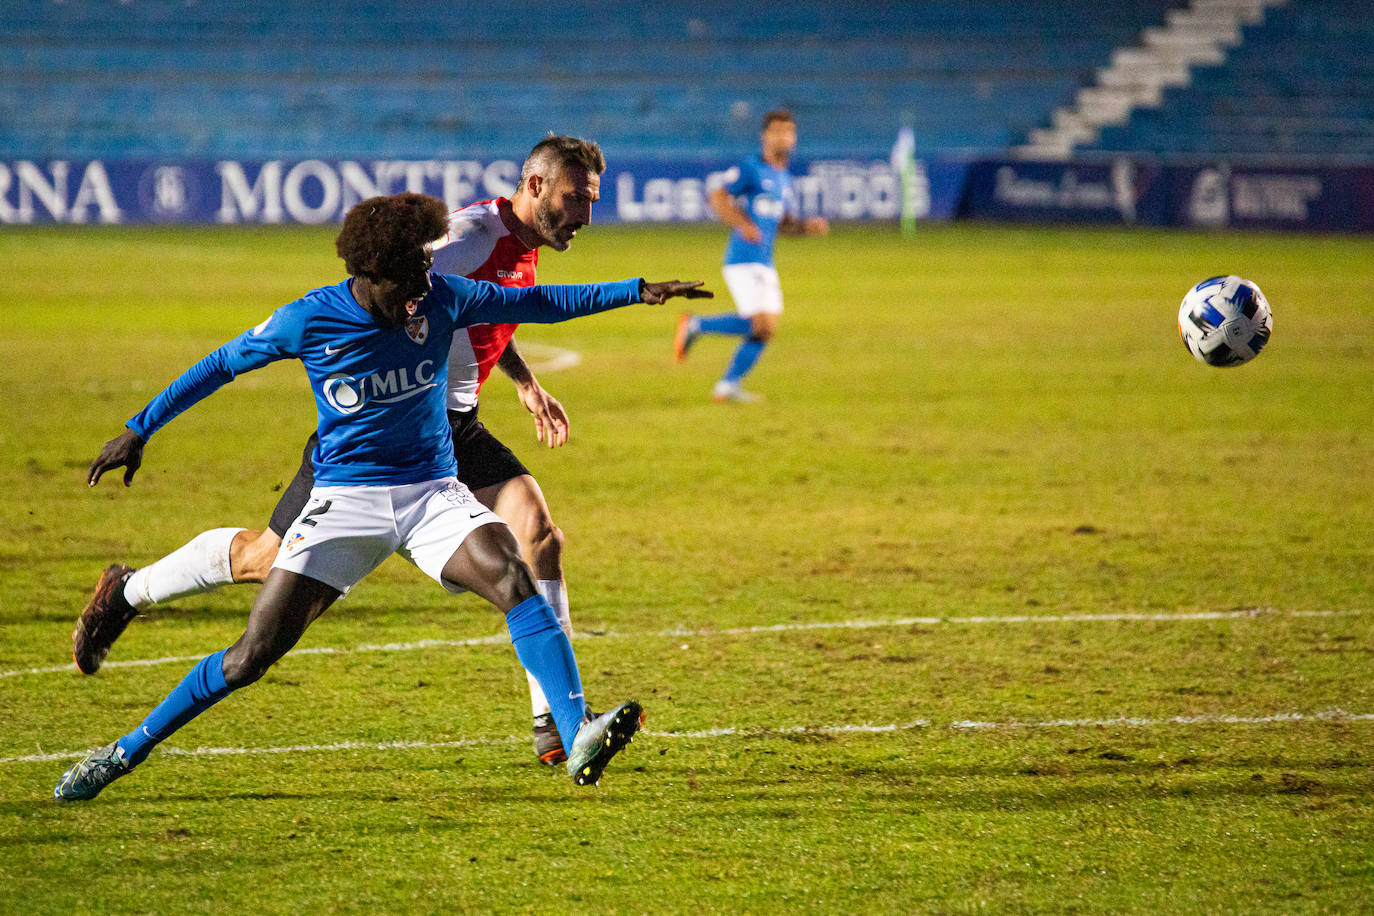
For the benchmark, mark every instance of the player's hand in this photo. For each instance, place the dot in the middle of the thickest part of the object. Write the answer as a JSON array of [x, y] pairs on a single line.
[[126, 451], [659, 293], [750, 232], [816, 225], [551, 425]]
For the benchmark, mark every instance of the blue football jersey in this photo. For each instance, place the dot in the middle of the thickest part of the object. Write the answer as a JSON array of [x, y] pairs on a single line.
[[379, 392], [766, 194]]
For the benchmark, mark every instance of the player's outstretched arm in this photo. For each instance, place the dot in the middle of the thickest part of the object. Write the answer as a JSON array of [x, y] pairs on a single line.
[[659, 293], [123, 451], [480, 302]]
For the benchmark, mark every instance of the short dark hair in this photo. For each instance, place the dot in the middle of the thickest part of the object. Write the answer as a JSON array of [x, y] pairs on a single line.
[[381, 235], [778, 114], [555, 153]]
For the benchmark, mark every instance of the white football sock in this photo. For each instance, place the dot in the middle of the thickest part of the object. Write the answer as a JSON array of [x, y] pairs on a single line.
[[199, 566], [555, 592]]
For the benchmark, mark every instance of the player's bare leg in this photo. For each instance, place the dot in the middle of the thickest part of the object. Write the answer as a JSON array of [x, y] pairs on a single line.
[[488, 564], [288, 603], [251, 554], [763, 326], [520, 502]]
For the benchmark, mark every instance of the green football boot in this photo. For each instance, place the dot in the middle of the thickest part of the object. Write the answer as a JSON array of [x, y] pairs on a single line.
[[600, 739], [85, 780]]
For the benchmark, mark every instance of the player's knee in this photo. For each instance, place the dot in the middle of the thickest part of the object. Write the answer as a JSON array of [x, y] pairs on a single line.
[[489, 564], [545, 544], [761, 337], [247, 660], [252, 553], [510, 580]]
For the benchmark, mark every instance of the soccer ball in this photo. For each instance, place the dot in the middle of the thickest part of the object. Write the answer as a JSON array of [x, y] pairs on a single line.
[[1225, 321]]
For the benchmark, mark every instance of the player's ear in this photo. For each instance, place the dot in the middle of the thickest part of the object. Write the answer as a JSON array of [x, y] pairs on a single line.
[[535, 185]]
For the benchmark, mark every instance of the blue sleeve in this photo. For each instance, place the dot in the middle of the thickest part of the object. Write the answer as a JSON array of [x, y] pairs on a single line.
[[746, 181], [279, 337], [479, 302]]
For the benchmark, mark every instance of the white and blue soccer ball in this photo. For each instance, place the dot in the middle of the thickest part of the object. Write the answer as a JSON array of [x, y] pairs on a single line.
[[1225, 321]]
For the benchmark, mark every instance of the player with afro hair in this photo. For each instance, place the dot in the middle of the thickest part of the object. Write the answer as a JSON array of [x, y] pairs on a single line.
[[385, 243], [381, 234]]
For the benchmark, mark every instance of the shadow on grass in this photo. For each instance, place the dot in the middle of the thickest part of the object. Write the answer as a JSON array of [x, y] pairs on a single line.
[[799, 793], [999, 788]]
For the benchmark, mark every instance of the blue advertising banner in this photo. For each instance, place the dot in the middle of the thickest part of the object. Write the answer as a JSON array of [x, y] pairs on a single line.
[[1123, 191], [835, 189], [1221, 195], [1120, 191], [315, 191]]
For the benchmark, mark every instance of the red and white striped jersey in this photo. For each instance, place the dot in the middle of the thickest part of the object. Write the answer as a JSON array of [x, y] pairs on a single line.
[[480, 246]]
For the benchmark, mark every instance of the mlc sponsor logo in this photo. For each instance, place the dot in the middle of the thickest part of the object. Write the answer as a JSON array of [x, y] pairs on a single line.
[[348, 394]]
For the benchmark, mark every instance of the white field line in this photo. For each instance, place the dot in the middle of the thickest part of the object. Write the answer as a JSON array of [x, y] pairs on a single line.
[[547, 358], [962, 725], [1329, 715], [679, 633]]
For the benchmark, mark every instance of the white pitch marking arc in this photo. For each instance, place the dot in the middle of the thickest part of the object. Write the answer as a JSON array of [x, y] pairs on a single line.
[[546, 358], [958, 725], [678, 633]]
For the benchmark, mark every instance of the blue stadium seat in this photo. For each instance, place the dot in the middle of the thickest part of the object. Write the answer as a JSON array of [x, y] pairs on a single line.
[[253, 78], [1300, 84]]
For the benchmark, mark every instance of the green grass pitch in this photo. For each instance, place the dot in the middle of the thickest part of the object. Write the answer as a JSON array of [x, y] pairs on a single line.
[[1000, 602]]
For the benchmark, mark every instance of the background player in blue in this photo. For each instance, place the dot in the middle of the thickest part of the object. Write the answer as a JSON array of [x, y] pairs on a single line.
[[375, 348], [758, 202]]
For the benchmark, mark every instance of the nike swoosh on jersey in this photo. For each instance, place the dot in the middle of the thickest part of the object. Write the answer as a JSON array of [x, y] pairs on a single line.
[[330, 350]]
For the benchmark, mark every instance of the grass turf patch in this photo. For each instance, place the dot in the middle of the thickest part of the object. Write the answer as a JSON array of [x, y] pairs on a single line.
[[984, 422]]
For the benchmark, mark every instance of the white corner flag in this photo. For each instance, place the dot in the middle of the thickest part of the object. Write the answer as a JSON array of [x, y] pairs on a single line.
[[904, 164]]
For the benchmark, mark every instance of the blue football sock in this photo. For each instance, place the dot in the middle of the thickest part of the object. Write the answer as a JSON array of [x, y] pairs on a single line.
[[202, 688], [543, 648], [746, 356], [727, 323]]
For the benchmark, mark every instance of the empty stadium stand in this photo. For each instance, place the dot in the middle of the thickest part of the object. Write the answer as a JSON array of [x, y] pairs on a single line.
[[256, 79], [1299, 84]]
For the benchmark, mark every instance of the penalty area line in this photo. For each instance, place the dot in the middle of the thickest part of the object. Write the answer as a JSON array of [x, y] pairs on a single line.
[[957, 725], [679, 633]]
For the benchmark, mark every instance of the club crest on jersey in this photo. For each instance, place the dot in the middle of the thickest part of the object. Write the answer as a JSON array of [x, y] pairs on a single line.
[[417, 327]]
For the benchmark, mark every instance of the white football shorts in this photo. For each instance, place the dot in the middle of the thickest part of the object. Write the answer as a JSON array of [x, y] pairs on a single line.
[[755, 288], [344, 533]]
